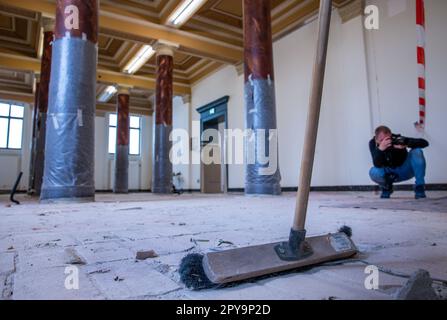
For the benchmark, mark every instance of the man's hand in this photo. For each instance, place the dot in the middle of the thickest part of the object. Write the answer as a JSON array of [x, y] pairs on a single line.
[[385, 144]]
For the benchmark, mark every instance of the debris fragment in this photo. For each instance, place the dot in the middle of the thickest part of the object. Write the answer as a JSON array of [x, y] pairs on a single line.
[[46, 245], [221, 242], [143, 255], [72, 257], [100, 271], [11, 248], [129, 209], [118, 279], [418, 287], [109, 237], [198, 240], [163, 268]]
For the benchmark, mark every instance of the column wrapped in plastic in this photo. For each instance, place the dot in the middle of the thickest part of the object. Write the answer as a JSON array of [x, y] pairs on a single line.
[[162, 165], [121, 169], [69, 160], [260, 114]]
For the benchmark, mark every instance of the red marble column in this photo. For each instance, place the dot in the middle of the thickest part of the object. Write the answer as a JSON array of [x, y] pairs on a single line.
[[121, 184], [42, 105], [260, 105], [258, 47], [164, 93], [162, 166]]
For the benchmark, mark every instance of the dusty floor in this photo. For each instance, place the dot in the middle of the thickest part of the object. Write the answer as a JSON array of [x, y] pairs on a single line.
[[401, 234]]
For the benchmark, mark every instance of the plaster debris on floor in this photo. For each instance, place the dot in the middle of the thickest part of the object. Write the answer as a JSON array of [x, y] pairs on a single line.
[[130, 246]]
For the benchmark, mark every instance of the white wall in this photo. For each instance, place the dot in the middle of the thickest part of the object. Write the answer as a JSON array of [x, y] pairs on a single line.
[[12, 162], [394, 49], [354, 102], [341, 154], [182, 120], [222, 83]]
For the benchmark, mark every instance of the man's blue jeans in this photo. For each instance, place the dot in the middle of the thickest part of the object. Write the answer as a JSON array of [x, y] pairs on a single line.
[[413, 167]]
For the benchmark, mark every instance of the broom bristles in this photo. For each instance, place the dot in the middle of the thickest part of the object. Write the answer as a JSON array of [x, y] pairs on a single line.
[[192, 273], [346, 230]]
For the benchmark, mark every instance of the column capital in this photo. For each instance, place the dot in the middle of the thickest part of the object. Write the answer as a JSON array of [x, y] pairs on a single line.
[[47, 25], [186, 98], [124, 90], [165, 48], [240, 68]]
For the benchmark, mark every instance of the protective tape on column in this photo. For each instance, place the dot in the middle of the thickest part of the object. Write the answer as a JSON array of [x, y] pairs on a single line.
[[69, 160], [121, 169], [162, 166], [261, 176]]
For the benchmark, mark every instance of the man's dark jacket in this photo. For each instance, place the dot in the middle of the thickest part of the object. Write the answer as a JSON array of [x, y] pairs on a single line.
[[392, 157]]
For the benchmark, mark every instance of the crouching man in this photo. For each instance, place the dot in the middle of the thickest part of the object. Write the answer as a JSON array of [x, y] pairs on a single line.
[[394, 163]]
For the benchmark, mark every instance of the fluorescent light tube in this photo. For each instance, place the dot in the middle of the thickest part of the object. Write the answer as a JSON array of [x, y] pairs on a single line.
[[142, 56], [107, 94], [184, 12]]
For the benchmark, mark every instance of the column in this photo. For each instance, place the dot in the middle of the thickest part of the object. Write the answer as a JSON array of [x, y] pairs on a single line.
[[122, 142], [31, 189], [262, 169], [42, 104], [69, 158], [161, 164]]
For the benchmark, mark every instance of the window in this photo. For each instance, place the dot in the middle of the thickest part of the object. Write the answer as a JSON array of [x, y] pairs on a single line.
[[134, 134], [11, 126]]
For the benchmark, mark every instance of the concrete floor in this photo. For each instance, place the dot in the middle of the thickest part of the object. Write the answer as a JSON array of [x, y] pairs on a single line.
[[400, 234]]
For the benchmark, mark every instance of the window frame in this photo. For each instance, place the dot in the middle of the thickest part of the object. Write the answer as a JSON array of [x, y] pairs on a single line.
[[109, 126], [8, 118]]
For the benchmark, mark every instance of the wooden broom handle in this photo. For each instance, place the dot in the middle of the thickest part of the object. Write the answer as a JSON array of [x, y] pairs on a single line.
[[310, 139]]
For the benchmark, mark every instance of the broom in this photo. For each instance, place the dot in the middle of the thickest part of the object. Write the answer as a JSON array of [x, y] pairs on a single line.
[[220, 268]]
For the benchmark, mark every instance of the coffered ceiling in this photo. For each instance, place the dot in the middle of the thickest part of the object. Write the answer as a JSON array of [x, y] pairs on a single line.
[[210, 39]]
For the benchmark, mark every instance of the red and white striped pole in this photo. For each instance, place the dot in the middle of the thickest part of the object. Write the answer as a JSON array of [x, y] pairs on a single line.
[[420, 25]]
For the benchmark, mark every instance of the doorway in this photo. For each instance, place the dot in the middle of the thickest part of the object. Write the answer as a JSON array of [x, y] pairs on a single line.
[[214, 170]]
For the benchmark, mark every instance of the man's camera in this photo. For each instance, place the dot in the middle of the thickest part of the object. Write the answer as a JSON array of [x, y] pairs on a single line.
[[398, 140]]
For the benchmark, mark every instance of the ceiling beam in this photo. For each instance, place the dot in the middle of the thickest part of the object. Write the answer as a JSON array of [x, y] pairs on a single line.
[[17, 96], [122, 21], [110, 107], [24, 63]]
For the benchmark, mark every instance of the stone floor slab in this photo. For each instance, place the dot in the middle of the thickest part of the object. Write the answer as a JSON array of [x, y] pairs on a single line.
[[130, 279]]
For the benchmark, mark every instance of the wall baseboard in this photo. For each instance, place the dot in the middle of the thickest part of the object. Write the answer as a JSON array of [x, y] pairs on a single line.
[[359, 188], [130, 191]]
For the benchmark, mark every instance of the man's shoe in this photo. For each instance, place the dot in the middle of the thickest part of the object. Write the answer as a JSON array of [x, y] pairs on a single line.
[[387, 192], [419, 192]]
